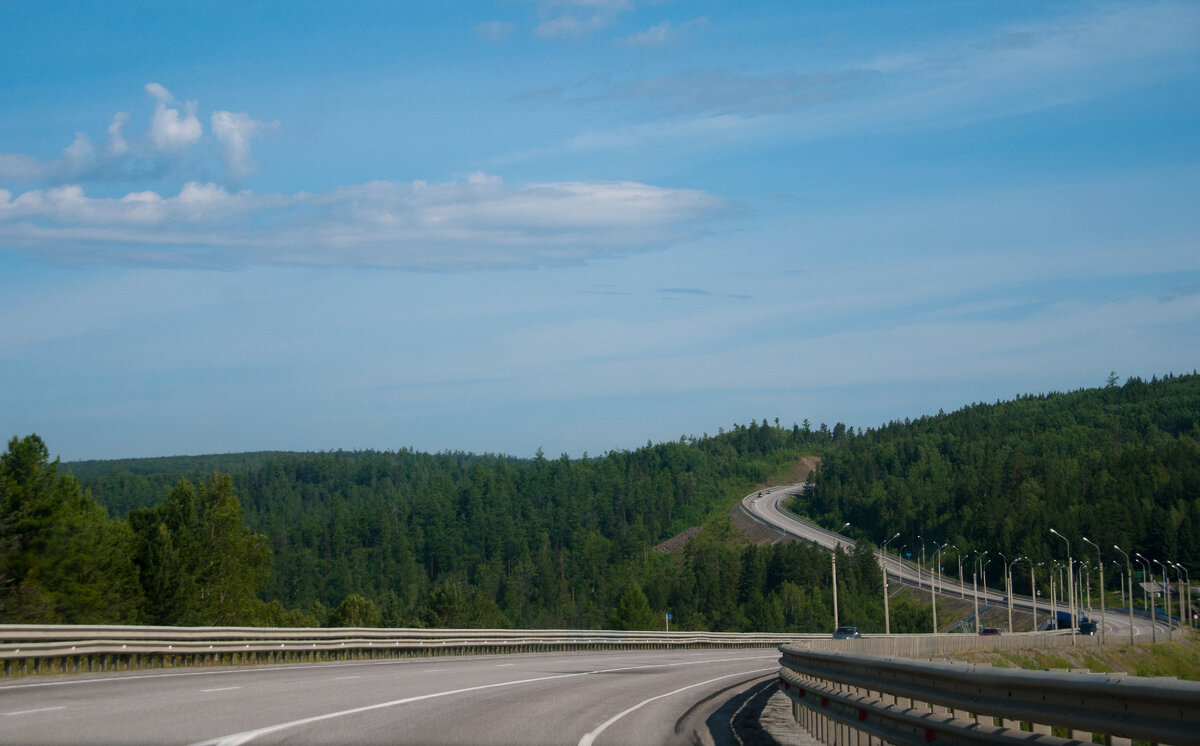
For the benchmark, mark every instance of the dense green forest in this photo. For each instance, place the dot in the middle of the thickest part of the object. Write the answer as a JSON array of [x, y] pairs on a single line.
[[407, 539], [413, 539], [1118, 465]]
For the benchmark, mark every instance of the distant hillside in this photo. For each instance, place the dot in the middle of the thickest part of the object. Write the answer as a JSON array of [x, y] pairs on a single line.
[[471, 540], [457, 539], [1119, 465], [172, 465]]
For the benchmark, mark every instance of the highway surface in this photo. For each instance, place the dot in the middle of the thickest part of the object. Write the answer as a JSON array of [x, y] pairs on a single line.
[[767, 506], [644, 697]]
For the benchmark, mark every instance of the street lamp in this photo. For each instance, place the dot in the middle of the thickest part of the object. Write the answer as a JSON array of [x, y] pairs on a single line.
[[833, 565], [887, 619], [1100, 561], [922, 560], [975, 585], [1166, 597], [934, 580], [1032, 588], [1054, 570], [962, 589], [1009, 590], [1129, 572], [1070, 585], [1187, 576], [1146, 595]]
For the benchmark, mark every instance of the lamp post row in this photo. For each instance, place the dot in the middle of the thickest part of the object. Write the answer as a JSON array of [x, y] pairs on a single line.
[[1073, 602]]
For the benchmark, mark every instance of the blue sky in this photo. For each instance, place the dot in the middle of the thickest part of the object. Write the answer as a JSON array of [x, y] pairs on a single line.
[[579, 225]]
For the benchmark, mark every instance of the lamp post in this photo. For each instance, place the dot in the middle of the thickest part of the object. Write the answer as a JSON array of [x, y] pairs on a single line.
[[1070, 586], [1179, 589], [1121, 576], [1188, 584], [1004, 572], [935, 579], [833, 560], [962, 588], [1033, 592], [975, 585], [1146, 595], [833, 565], [1099, 561], [922, 560], [1053, 597], [1166, 586], [1129, 574], [1009, 590], [887, 619], [1085, 586]]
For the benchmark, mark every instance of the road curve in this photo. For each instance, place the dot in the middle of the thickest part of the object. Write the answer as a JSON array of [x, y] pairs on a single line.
[[767, 506], [651, 697]]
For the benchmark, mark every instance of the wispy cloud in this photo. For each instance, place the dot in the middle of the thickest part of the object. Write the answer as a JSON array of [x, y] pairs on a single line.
[[573, 19], [495, 31], [665, 33], [477, 223], [1001, 71]]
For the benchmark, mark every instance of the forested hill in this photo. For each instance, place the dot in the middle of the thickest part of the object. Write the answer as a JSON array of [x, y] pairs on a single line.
[[1119, 465], [461, 539], [406, 538]]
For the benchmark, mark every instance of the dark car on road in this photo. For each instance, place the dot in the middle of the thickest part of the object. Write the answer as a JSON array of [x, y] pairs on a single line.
[[989, 631], [845, 633]]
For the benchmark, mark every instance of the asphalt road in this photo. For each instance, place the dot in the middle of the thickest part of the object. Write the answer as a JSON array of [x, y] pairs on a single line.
[[767, 506], [644, 697]]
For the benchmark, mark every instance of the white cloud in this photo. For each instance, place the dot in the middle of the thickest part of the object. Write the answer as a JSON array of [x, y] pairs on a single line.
[[116, 140], [478, 223], [996, 72], [664, 33], [169, 130], [573, 19], [234, 130], [174, 143], [495, 31]]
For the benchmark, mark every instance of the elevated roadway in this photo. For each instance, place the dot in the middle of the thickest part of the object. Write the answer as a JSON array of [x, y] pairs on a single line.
[[767, 506]]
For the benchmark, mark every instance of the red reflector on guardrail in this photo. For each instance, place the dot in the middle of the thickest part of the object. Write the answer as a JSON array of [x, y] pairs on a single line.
[[928, 735], [862, 714]]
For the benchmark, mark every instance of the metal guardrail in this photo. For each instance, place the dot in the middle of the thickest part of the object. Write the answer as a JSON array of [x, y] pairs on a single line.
[[26, 649], [852, 698]]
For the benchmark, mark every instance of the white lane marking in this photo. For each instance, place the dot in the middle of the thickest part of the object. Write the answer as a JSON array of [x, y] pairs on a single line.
[[237, 739], [224, 672], [343, 678], [222, 689], [40, 709], [589, 738], [505, 665]]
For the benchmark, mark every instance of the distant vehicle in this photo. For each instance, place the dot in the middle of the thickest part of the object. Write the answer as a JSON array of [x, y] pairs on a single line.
[[845, 633], [1086, 626], [989, 631]]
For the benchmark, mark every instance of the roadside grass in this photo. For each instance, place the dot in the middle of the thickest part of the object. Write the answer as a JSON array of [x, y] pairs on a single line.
[[1179, 659]]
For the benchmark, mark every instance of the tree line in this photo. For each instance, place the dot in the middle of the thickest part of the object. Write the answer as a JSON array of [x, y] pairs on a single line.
[[1118, 464], [462, 540], [415, 539]]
